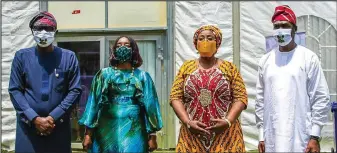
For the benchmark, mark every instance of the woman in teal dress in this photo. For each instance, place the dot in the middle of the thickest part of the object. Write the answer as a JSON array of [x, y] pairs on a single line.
[[122, 113]]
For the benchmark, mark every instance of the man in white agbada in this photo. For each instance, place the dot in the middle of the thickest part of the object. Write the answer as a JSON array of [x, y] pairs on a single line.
[[292, 101]]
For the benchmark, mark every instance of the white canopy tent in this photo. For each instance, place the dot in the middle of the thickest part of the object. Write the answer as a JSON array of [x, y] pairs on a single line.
[[15, 35]]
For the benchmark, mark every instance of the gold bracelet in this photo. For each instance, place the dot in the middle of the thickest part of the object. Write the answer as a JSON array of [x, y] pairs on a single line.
[[228, 122]]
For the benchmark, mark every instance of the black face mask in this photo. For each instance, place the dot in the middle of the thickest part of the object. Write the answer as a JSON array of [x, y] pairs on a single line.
[[123, 54]]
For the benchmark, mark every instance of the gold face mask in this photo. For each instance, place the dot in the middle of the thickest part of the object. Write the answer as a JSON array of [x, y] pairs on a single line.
[[206, 48]]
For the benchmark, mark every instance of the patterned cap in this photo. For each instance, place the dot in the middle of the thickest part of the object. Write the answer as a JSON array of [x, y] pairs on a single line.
[[43, 19], [216, 31]]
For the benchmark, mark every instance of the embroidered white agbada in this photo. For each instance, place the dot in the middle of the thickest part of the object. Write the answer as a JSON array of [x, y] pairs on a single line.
[[292, 100]]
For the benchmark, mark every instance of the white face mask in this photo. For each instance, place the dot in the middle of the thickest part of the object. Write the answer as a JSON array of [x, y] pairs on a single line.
[[44, 38], [282, 36]]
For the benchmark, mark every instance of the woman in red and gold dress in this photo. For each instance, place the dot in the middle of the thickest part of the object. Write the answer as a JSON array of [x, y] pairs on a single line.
[[208, 96]]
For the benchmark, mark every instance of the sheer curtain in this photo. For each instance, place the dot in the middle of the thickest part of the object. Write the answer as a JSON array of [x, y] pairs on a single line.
[[148, 52]]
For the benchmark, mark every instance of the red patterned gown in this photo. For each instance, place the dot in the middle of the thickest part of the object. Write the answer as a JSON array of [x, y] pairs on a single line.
[[208, 94]]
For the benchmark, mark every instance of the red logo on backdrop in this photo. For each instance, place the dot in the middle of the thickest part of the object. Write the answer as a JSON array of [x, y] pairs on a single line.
[[76, 12]]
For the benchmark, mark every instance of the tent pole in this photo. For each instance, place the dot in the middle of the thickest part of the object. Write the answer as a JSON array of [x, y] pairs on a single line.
[[236, 32]]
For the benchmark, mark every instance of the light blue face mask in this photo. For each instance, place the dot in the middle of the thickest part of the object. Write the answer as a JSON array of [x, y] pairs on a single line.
[[282, 36], [44, 38], [123, 54]]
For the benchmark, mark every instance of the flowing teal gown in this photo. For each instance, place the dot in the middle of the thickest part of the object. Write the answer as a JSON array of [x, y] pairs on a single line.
[[122, 109]]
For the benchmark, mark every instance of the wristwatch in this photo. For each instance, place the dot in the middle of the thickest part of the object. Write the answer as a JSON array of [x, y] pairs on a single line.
[[317, 138]]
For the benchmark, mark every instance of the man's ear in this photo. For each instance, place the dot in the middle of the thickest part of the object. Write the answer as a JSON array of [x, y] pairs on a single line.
[[56, 32], [293, 28], [293, 31]]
